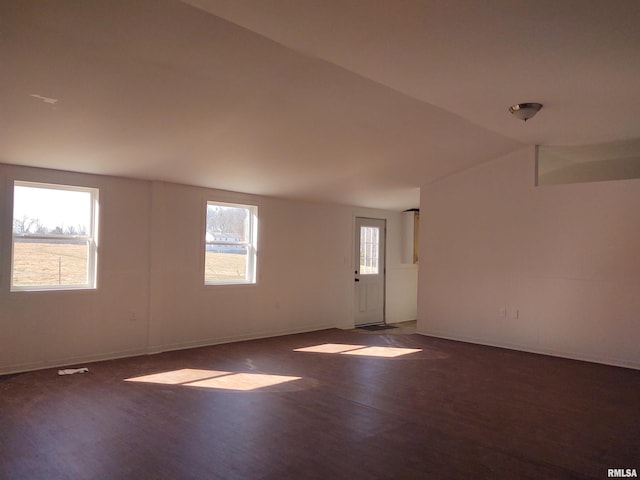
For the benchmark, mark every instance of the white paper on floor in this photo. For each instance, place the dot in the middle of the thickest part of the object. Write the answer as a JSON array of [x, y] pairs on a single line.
[[71, 371]]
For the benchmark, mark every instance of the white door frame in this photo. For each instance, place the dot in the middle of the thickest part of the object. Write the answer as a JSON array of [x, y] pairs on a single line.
[[369, 302]]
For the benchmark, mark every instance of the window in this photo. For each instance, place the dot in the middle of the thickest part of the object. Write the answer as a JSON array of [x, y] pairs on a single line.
[[369, 250], [54, 237], [596, 162], [230, 243]]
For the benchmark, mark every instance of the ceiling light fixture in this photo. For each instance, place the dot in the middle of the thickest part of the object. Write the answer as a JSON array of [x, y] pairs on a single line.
[[524, 111]]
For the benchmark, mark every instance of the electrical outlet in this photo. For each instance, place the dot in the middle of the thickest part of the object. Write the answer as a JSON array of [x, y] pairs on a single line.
[[515, 313], [502, 312]]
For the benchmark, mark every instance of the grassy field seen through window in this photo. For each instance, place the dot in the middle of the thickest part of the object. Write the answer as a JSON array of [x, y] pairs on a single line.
[[40, 263]]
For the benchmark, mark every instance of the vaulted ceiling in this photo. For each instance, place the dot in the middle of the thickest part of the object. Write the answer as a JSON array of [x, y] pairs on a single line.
[[348, 101]]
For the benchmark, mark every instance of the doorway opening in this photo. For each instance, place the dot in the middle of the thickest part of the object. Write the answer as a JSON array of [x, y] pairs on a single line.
[[370, 271]]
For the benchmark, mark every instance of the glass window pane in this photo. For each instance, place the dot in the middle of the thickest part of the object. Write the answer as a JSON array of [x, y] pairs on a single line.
[[369, 247], [230, 253], [598, 162], [49, 262], [54, 246], [224, 264], [50, 211], [227, 224]]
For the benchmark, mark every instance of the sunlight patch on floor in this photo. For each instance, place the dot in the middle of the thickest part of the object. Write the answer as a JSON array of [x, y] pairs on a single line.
[[329, 348], [386, 352], [362, 350], [177, 377], [243, 381], [238, 381]]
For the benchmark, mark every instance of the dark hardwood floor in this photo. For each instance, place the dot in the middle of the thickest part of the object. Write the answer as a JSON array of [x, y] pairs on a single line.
[[261, 410]]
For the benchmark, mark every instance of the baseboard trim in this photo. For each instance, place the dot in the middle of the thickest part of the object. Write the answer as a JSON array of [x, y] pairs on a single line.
[[614, 362], [234, 338], [151, 350], [69, 361]]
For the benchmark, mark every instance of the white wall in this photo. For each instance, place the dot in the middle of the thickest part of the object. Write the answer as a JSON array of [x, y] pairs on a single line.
[[567, 257], [150, 294], [303, 282], [42, 328]]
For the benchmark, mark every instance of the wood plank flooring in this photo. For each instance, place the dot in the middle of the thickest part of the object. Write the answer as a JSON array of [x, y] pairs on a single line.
[[262, 410]]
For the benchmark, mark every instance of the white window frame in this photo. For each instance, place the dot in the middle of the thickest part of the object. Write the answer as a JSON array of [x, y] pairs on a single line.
[[250, 244], [91, 238]]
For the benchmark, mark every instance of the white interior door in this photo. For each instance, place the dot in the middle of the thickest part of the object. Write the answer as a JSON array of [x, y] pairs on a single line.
[[369, 271]]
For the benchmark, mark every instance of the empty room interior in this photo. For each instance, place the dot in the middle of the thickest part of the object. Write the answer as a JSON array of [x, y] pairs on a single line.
[[337, 239]]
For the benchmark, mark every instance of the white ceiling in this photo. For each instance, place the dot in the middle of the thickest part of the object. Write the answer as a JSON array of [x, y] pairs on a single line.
[[347, 101]]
